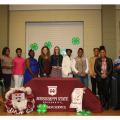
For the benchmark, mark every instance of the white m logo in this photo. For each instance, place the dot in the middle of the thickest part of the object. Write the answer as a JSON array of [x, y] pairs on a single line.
[[52, 90]]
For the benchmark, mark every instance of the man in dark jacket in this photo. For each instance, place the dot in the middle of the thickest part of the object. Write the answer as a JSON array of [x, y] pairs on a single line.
[[103, 68]]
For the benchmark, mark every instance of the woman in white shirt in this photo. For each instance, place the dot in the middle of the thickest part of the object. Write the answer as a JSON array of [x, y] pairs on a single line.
[[68, 65]]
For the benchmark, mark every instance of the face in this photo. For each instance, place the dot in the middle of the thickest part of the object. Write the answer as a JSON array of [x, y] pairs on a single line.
[[103, 53], [45, 51], [7, 52], [96, 52], [80, 53], [19, 53], [69, 53], [56, 50], [32, 54]]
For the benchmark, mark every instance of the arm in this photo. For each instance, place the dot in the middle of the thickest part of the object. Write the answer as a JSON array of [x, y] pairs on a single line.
[[64, 66], [27, 63], [5, 66], [40, 64], [111, 67], [87, 69], [73, 66], [91, 67], [96, 67]]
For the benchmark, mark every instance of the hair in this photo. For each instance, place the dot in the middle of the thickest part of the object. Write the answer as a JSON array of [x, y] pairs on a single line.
[[58, 49], [96, 49], [68, 50], [4, 50], [30, 51], [42, 54], [102, 48], [80, 49], [18, 49]]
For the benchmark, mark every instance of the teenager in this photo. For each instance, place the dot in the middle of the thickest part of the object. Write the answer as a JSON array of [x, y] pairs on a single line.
[[31, 66], [44, 62], [18, 68], [6, 64], [91, 69], [103, 69], [56, 63]]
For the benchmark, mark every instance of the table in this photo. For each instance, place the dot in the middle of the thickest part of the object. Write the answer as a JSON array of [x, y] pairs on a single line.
[[56, 93]]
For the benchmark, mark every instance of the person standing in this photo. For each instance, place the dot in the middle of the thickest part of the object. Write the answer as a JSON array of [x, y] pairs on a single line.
[[6, 64], [92, 71], [68, 65], [1, 82], [44, 62], [32, 68], [103, 69], [1, 75], [18, 68], [82, 67], [56, 62]]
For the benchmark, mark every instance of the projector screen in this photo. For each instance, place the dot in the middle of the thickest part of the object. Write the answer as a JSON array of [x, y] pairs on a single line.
[[62, 34]]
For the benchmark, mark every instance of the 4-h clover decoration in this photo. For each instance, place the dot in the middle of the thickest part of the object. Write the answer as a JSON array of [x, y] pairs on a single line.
[[48, 44], [75, 40], [34, 46], [42, 108], [84, 113]]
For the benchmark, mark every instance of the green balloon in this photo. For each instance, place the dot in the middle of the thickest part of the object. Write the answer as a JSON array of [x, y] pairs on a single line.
[[38, 110], [43, 111], [44, 105], [88, 112], [39, 106]]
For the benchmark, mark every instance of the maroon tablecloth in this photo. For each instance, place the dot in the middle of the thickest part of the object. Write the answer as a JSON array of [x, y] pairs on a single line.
[[56, 93]]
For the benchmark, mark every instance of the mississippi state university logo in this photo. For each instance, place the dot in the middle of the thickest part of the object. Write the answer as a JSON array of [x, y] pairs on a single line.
[[52, 90]]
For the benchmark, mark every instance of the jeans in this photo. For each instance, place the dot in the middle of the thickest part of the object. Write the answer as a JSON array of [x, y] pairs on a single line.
[[7, 81], [18, 80], [94, 85], [83, 80]]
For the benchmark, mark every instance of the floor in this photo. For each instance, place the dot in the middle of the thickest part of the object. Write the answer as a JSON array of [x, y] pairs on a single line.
[[109, 112]]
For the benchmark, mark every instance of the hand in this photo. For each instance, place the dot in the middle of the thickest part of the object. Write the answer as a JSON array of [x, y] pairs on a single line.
[[103, 76], [59, 67], [54, 66], [118, 67], [93, 75], [83, 74], [7, 67]]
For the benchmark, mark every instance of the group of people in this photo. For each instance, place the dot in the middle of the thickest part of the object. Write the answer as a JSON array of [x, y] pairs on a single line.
[[99, 68]]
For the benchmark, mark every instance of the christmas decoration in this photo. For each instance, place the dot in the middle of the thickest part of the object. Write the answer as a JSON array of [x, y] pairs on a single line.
[[19, 100]]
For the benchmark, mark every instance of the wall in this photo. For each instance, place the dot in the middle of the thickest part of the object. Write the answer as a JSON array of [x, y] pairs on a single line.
[[118, 31], [91, 18], [3, 26], [109, 29]]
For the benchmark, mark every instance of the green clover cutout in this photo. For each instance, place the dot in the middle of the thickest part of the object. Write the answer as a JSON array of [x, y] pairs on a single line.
[[75, 40], [34, 46], [42, 108], [48, 44], [84, 113]]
